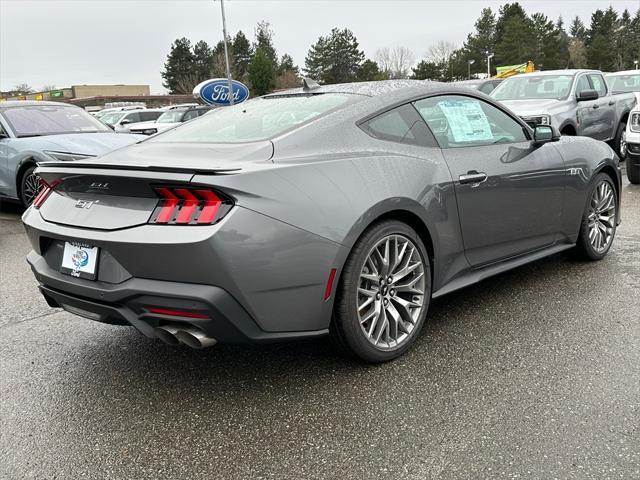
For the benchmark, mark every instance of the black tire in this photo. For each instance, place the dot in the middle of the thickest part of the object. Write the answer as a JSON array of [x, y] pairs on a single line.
[[26, 189], [584, 246], [633, 172], [345, 327], [616, 144]]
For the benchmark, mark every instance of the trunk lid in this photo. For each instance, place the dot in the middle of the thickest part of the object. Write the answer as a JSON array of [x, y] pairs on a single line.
[[116, 191]]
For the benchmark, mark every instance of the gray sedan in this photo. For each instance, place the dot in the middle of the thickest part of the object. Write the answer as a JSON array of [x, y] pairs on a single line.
[[340, 210], [33, 131]]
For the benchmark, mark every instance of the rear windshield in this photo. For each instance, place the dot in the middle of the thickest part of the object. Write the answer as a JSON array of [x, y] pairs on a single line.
[[524, 87], [624, 83], [35, 120], [257, 119]]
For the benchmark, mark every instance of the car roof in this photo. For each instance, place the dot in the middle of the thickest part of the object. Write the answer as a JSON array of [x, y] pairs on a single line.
[[31, 103], [623, 72], [568, 71], [369, 89]]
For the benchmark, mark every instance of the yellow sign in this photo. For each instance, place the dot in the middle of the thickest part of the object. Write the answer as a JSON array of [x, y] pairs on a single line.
[[39, 96]]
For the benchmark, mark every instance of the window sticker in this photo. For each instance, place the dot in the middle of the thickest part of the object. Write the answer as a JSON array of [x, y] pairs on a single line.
[[467, 121]]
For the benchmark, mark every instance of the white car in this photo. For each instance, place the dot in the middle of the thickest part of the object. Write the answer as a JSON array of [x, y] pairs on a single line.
[[123, 121], [633, 146], [101, 113], [170, 119]]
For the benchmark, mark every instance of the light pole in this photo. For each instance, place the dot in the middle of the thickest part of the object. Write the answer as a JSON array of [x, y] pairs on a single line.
[[489, 57], [469, 63], [226, 53], [635, 62]]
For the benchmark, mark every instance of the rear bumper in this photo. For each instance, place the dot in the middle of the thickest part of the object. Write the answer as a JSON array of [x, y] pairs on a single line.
[[258, 279], [126, 304]]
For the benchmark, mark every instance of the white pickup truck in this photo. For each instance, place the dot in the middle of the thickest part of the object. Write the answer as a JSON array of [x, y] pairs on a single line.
[[576, 102], [633, 146]]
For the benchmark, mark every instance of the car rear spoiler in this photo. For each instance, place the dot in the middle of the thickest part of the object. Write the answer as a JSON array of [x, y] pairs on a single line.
[[57, 166]]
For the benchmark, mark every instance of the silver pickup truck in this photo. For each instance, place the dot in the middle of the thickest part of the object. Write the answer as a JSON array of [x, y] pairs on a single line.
[[576, 102]]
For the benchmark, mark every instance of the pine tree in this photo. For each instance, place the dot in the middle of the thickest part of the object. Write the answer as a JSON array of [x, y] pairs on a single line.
[[261, 73], [425, 70], [601, 42], [578, 29], [335, 58], [481, 42], [242, 53], [179, 67], [370, 71], [515, 35], [264, 41], [203, 60]]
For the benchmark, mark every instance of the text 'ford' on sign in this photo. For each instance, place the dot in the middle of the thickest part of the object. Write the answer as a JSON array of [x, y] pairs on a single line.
[[216, 91]]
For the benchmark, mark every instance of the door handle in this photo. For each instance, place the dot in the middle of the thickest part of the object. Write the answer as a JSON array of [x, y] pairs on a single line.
[[596, 106], [472, 177]]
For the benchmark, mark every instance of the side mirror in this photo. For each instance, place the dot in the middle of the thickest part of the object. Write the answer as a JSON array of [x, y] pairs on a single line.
[[544, 134], [586, 95], [125, 122]]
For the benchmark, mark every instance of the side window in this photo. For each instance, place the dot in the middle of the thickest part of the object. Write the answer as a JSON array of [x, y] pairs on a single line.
[[459, 121], [598, 84], [133, 117], [487, 88], [149, 116], [190, 115], [583, 84], [202, 111], [401, 125]]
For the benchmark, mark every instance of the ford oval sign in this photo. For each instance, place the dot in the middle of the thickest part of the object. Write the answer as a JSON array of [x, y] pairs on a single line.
[[216, 91]]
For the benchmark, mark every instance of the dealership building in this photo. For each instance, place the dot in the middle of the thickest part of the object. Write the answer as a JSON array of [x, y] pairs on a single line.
[[98, 96]]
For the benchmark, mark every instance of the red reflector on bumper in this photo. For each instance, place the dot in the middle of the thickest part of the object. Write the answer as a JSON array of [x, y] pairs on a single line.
[[329, 289], [177, 313]]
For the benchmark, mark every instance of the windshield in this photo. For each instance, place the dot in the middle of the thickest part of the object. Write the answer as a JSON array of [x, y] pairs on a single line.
[[34, 120], [525, 87], [112, 118], [624, 83], [171, 116], [257, 119]]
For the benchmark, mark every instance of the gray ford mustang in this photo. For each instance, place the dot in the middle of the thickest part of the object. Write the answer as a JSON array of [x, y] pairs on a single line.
[[340, 210]]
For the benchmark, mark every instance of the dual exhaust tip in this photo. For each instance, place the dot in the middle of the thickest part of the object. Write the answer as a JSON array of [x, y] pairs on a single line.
[[188, 335]]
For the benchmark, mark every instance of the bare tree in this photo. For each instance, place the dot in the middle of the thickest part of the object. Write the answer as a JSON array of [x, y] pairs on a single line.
[[440, 53], [48, 88], [23, 89], [395, 62]]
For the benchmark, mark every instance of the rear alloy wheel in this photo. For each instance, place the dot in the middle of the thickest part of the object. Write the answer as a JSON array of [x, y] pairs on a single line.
[[29, 187], [598, 227], [384, 294]]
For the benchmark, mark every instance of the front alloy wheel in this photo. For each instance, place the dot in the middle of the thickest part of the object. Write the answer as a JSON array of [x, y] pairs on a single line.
[[383, 294], [30, 187]]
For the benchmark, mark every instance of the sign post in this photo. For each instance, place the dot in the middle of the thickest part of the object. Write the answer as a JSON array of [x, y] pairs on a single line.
[[226, 53]]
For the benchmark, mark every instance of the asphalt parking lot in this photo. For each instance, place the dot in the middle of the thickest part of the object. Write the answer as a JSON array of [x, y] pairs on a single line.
[[531, 374]]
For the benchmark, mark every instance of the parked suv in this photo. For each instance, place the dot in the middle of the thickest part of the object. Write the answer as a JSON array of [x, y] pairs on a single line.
[[122, 122], [576, 102], [169, 119], [633, 146]]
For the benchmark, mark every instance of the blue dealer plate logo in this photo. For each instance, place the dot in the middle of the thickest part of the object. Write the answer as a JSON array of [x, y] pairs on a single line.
[[216, 91]]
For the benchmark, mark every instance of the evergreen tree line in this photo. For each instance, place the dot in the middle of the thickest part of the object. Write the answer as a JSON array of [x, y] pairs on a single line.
[[255, 64], [610, 43]]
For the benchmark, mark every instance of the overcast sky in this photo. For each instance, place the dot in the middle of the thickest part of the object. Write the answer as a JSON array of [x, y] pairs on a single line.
[[76, 42]]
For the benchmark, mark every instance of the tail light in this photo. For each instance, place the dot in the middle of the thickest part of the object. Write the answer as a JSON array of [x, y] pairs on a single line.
[[45, 191], [189, 206]]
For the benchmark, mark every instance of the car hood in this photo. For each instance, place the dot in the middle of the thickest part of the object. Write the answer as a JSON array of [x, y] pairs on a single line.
[[158, 126], [531, 106], [93, 144]]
